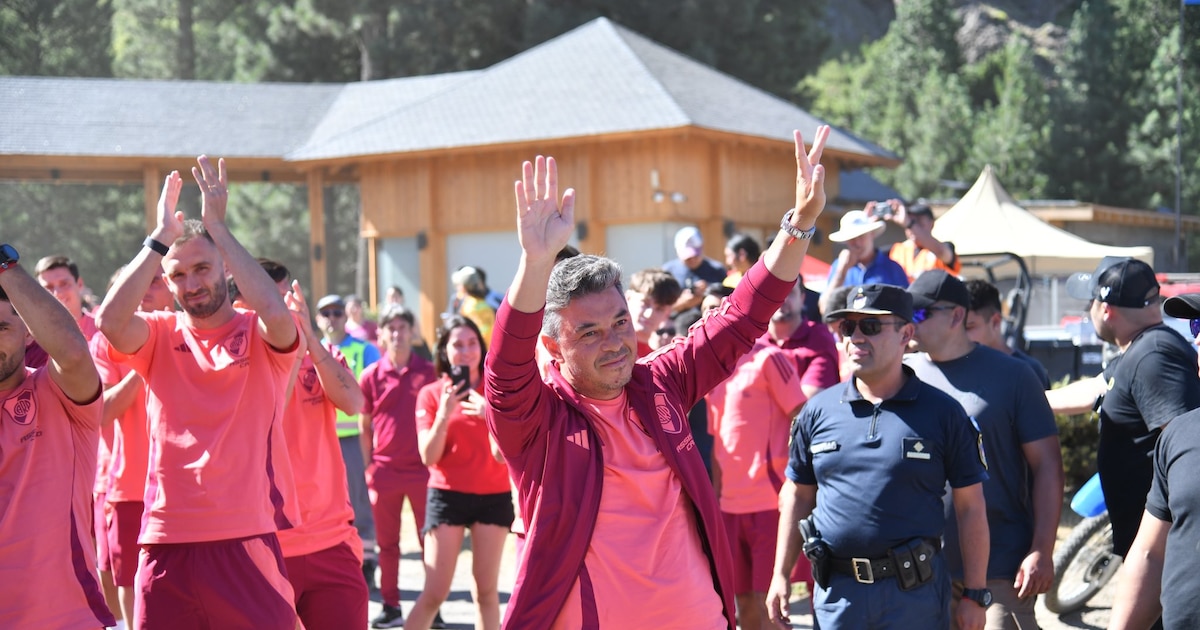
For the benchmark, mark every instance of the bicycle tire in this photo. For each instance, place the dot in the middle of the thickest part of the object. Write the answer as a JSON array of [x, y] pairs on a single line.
[[1082, 565]]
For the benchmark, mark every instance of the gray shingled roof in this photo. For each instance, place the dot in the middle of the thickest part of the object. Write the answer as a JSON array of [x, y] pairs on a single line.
[[597, 79], [119, 117]]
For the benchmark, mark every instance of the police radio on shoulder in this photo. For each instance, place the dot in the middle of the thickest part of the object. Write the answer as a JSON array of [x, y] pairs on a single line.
[[8, 257], [793, 231]]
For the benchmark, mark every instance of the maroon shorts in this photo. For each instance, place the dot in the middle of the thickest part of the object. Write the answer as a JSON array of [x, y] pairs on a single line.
[[100, 530], [124, 525], [329, 586], [752, 541], [238, 583]]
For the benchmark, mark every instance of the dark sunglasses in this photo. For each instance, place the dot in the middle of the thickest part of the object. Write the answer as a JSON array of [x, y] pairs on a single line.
[[330, 314], [922, 314], [1194, 325], [869, 326]]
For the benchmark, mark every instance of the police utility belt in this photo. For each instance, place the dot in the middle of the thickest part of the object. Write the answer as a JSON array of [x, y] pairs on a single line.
[[911, 563]]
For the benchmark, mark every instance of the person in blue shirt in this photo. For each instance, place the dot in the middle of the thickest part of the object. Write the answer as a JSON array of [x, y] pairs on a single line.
[[870, 462], [861, 262]]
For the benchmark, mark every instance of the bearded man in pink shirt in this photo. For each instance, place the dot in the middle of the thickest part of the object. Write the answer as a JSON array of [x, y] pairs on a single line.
[[623, 528], [49, 429], [217, 380]]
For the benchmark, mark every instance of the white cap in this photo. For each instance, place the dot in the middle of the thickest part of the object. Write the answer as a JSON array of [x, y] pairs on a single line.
[[688, 243]]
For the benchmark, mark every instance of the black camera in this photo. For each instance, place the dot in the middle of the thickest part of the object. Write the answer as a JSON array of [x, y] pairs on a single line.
[[880, 210]]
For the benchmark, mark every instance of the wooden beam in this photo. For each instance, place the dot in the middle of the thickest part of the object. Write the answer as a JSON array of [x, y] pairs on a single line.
[[318, 254], [373, 273], [432, 261], [150, 192]]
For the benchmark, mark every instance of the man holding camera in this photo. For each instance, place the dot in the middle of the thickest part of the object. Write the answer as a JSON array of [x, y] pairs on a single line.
[[881, 450], [920, 251]]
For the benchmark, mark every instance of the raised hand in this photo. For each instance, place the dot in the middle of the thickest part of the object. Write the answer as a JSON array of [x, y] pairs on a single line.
[[810, 179], [214, 189], [543, 224], [298, 305], [170, 220]]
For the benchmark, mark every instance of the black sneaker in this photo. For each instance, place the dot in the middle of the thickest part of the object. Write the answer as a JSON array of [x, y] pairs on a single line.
[[391, 617], [438, 623], [368, 569]]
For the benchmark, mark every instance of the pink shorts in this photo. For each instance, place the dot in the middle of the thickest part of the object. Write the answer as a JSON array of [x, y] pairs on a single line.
[[329, 586], [238, 583], [124, 526], [752, 541], [100, 530]]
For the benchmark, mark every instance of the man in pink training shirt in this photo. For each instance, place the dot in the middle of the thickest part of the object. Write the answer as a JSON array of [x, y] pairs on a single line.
[[389, 444], [217, 381], [49, 429], [604, 461], [120, 512], [323, 553], [750, 418]]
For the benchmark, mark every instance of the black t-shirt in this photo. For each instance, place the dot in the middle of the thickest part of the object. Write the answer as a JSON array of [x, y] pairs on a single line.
[[1175, 498], [1153, 381]]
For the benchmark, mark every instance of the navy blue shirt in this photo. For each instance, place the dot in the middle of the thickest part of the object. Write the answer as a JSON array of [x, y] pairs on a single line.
[[881, 470], [1004, 399]]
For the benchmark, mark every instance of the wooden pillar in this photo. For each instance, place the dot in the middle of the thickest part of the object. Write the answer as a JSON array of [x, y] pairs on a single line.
[[151, 190], [373, 273], [432, 258], [317, 252]]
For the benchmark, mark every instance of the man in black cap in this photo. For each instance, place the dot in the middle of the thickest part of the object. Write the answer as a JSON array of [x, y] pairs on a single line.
[[1164, 551], [881, 450], [1024, 489], [1151, 381]]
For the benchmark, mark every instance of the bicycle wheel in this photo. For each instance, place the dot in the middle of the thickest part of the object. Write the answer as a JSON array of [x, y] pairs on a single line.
[[1082, 565]]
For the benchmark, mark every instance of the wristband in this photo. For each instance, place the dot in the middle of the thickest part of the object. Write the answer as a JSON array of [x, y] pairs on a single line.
[[155, 246], [793, 231]]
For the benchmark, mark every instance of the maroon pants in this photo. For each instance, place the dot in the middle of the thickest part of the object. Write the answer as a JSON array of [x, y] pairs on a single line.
[[388, 491], [330, 592]]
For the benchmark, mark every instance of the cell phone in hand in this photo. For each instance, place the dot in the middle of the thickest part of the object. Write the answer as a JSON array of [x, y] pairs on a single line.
[[460, 375]]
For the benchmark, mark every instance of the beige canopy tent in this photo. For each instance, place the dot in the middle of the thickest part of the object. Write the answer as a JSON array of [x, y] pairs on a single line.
[[988, 220]]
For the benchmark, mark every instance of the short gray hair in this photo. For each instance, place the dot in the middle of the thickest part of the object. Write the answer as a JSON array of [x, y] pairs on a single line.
[[576, 277]]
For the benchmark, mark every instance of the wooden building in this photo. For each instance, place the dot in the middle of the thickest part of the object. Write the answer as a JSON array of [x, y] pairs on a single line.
[[651, 140]]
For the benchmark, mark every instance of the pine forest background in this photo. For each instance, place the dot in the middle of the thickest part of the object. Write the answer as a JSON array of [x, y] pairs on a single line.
[[1066, 99]]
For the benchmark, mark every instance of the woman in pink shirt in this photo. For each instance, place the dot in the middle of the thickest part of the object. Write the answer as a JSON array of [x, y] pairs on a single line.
[[468, 485]]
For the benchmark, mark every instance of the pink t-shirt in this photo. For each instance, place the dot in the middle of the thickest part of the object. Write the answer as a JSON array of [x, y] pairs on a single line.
[[391, 403], [645, 539], [47, 459], [130, 442], [749, 417], [326, 517], [215, 404], [467, 464]]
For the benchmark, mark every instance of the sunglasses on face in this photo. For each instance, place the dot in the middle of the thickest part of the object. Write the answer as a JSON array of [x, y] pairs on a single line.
[[330, 314], [922, 314], [870, 326]]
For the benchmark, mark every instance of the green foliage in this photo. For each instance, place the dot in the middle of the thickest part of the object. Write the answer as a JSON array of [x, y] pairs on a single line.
[[1079, 437], [1011, 131], [56, 37]]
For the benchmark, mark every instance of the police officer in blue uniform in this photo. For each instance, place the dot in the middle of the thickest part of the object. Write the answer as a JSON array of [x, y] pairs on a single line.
[[870, 461]]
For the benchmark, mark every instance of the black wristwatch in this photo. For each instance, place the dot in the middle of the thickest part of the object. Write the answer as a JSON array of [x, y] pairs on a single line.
[[981, 596], [8, 257]]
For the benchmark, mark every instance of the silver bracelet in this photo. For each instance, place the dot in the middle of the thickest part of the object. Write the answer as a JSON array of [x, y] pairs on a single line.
[[793, 231]]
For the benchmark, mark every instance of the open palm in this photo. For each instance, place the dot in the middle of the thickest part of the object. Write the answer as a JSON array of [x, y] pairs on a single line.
[[544, 224]]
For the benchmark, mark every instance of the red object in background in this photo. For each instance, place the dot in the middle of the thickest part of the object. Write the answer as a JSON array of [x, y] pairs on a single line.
[[814, 270]]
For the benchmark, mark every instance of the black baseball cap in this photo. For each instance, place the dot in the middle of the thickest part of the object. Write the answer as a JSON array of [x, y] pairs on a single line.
[[1119, 281], [1183, 306], [876, 299], [919, 208], [936, 285]]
